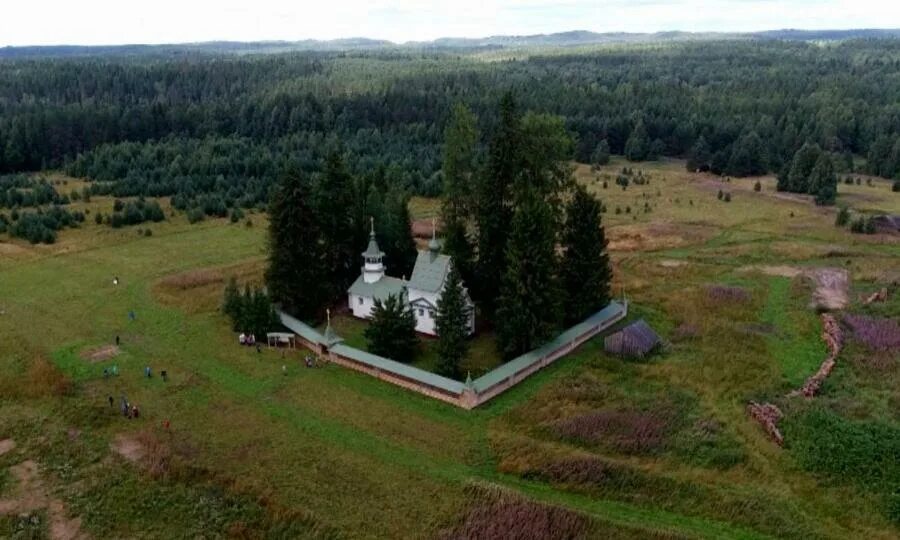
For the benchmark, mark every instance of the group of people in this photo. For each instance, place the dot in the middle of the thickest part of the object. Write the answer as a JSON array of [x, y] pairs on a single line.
[[129, 410], [247, 339]]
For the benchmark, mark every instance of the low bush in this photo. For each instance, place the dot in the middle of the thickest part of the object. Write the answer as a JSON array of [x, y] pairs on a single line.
[[627, 431], [876, 334], [848, 451]]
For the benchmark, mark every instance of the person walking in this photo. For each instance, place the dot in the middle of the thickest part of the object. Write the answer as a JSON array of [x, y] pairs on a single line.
[[111, 400]]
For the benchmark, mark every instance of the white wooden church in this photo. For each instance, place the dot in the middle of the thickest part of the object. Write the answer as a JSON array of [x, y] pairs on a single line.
[[422, 291]]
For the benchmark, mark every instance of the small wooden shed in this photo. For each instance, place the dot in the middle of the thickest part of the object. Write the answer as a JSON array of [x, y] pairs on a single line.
[[634, 341]]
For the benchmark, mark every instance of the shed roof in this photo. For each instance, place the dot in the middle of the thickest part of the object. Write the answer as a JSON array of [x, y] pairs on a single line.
[[636, 339], [379, 290], [429, 272]]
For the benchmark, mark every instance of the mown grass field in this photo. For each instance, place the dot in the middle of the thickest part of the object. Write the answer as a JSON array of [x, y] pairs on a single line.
[[604, 448]]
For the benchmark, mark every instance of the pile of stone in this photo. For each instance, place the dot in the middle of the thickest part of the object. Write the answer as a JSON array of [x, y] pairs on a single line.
[[877, 296], [834, 340], [768, 416]]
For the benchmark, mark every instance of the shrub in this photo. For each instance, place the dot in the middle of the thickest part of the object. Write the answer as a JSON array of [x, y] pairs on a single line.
[[757, 186], [496, 513], [847, 451], [727, 197], [896, 188], [876, 334], [724, 293], [863, 225], [843, 217], [627, 431], [195, 215], [720, 195]]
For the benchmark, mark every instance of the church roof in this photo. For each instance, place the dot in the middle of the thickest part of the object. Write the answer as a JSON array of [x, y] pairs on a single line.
[[429, 272], [373, 250], [379, 290]]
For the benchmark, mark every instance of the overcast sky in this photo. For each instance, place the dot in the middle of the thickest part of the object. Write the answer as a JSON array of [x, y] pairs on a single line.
[[92, 22]]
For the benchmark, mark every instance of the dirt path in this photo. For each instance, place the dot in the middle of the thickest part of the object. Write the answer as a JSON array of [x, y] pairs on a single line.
[[832, 284], [7, 445], [100, 354], [31, 495]]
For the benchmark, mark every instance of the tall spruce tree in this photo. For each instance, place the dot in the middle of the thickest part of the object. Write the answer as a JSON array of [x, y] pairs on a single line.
[[528, 309], [638, 144], [297, 276], [460, 139], [600, 155], [823, 181], [457, 209], [231, 303], [748, 156], [395, 229], [797, 178], [452, 326], [547, 149], [334, 205], [391, 333], [494, 202], [699, 158], [585, 272]]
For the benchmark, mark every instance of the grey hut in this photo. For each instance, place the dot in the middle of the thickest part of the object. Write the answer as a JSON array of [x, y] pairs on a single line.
[[634, 341]]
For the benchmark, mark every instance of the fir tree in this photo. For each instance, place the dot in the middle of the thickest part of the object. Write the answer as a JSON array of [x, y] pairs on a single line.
[[797, 178], [823, 181], [585, 271], [637, 145], [392, 330], [231, 303], [333, 198], [458, 205], [699, 157], [458, 246], [495, 205], [601, 155], [395, 229], [297, 273], [529, 305], [452, 326], [460, 138], [843, 217], [748, 156]]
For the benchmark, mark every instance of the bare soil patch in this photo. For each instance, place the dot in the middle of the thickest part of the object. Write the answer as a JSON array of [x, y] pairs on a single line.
[[129, 447], [32, 495], [99, 354], [655, 236], [832, 285], [7, 445], [669, 263]]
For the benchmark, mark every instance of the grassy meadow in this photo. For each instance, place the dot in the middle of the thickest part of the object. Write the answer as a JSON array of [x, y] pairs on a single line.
[[591, 447]]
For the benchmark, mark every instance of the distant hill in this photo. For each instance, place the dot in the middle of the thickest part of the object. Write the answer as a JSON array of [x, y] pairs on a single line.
[[560, 39]]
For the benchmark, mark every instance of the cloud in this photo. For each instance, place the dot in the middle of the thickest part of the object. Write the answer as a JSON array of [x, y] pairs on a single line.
[[168, 21]]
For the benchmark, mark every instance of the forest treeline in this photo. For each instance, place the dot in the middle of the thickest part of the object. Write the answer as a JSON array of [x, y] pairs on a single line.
[[225, 125]]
